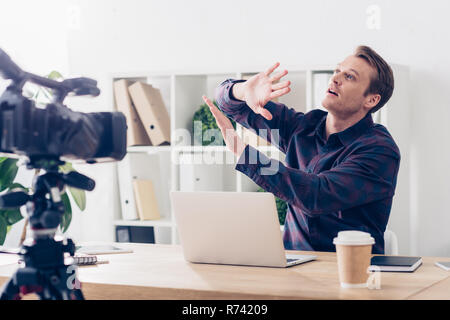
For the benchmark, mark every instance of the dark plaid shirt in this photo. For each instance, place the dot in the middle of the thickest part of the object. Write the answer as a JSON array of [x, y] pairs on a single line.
[[344, 183]]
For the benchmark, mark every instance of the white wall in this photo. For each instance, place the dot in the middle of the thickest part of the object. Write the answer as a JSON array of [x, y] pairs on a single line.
[[133, 35], [34, 35]]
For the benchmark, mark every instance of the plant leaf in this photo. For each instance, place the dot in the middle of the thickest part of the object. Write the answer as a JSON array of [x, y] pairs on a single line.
[[17, 185], [12, 216], [55, 75], [8, 172], [67, 216], [3, 230], [66, 168], [205, 116], [79, 196]]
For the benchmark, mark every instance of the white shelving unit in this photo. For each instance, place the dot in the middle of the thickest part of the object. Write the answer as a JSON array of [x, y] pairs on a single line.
[[182, 96]]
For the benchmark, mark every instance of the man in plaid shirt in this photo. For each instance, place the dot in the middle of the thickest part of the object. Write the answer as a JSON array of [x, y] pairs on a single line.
[[341, 168]]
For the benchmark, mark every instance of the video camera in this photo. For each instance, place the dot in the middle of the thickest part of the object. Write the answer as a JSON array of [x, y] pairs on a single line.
[[48, 136], [56, 131]]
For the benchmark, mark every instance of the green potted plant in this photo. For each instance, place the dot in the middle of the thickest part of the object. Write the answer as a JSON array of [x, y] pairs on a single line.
[[9, 169], [204, 116]]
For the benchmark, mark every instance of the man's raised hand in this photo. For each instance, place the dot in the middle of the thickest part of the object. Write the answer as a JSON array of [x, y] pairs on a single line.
[[231, 138], [261, 88]]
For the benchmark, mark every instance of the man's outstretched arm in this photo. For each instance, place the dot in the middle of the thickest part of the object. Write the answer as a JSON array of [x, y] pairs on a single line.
[[368, 174], [248, 103]]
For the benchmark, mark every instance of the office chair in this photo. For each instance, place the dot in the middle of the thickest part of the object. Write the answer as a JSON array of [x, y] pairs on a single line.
[[390, 243]]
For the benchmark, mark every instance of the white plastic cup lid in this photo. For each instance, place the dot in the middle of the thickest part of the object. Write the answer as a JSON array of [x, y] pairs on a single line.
[[353, 238]]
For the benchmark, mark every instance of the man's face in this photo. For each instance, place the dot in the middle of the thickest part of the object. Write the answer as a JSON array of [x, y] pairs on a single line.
[[345, 93]]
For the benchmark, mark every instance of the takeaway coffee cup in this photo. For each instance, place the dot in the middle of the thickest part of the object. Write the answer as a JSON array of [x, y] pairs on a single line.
[[353, 249]]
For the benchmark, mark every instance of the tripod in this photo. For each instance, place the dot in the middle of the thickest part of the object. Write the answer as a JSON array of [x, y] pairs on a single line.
[[45, 272]]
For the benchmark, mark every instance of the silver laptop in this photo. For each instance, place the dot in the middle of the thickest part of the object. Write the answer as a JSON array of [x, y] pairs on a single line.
[[239, 228]]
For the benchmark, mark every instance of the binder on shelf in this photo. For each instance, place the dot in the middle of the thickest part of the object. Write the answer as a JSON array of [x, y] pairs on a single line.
[[199, 177], [146, 204], [127, 203], [136, 134], [152, 111]]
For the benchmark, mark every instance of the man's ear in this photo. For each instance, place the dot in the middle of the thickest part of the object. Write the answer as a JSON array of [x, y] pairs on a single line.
[[371, 101]]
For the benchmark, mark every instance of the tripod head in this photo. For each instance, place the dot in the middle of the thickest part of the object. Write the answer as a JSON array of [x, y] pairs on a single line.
[[44, 206]]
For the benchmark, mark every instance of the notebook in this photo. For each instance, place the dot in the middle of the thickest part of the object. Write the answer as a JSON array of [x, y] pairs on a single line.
[[394, 263], [84, 260]]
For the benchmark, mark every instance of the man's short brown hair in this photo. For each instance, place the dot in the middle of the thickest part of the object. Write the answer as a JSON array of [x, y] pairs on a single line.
[[383, 83]]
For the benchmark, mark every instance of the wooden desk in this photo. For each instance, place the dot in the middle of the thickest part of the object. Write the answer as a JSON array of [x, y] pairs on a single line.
[[160, 272], [437, 291]]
